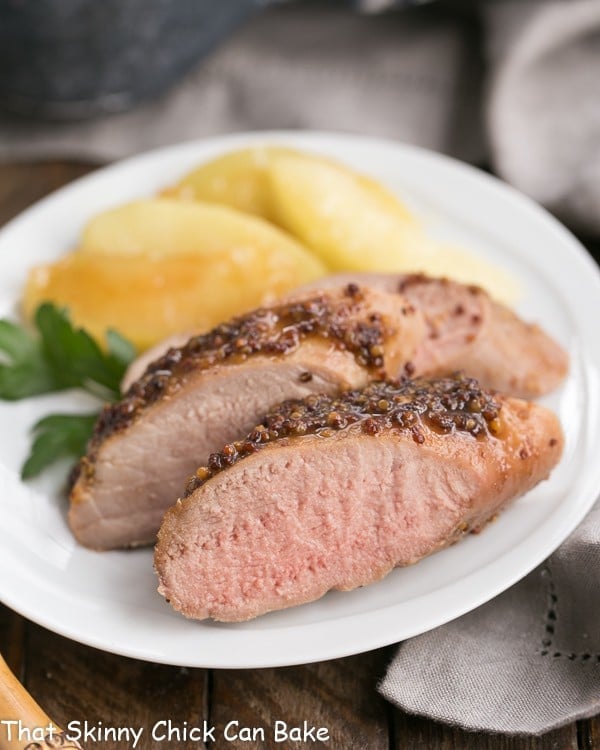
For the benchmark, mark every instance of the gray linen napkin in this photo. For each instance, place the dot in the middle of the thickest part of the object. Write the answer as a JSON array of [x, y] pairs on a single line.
[[525, 663], [544, 103]]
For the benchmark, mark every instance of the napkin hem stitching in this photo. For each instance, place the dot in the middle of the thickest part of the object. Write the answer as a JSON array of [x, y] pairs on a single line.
[[550, 622]]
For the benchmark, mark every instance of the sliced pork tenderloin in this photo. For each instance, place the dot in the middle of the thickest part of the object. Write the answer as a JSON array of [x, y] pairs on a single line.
[[333, 493], [469, 331], [214, 388]]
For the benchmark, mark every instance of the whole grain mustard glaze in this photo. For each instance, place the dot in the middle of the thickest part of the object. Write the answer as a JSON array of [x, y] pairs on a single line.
[[445, 405]]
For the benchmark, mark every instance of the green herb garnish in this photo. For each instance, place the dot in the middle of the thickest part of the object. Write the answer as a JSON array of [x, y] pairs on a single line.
[[52, 358], [59, 356], [57, 436]]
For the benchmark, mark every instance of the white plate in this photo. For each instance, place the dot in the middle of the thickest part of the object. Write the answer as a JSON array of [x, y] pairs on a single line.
[[109, 600]]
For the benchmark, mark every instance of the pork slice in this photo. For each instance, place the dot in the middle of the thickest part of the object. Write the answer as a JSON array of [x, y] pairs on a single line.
[[333, 493], [214, 388], [467, 330]]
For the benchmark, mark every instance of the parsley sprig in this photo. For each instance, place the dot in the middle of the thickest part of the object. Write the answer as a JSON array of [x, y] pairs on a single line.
[[59, 356], [57, 436], [54, 357]]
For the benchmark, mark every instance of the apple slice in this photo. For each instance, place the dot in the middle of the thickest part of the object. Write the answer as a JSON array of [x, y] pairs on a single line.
[[239, 179], [154, 268], [352, 226], [161, 226]]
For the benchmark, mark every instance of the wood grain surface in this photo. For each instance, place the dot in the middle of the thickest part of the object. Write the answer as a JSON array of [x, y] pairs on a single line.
[[76, 683]]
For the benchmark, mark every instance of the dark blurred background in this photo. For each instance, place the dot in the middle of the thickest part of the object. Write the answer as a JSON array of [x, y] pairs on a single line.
[[510, 85]]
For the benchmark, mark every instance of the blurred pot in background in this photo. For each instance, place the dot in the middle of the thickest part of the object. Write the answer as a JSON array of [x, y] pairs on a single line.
[[69, 59]]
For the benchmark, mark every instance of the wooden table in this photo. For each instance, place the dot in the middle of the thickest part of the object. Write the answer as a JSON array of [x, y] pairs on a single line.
[[74, 682]]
